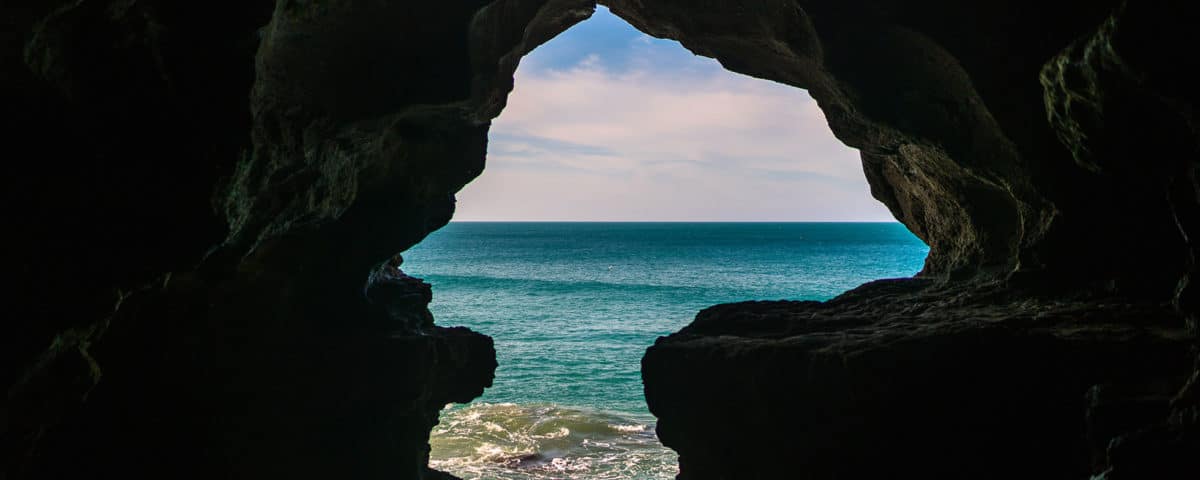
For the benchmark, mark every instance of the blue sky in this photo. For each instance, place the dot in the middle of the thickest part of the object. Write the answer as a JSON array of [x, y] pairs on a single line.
[[609, 124]]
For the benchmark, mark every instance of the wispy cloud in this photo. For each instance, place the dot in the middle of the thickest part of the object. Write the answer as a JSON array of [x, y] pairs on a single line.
[[513, 144], [647, 131]]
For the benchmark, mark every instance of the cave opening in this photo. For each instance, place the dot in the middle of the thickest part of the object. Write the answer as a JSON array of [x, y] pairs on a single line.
[[237, 311], [631, 184]]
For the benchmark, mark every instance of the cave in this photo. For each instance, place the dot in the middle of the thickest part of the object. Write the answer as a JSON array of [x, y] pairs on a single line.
[[208, 203]]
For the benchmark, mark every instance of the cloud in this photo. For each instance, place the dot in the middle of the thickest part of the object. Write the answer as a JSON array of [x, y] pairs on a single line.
[[647, 131], [508, 143]]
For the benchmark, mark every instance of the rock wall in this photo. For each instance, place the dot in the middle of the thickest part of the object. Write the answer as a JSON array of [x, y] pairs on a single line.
[[210, 244], [1046, 152], [949, 104], [210, 200]]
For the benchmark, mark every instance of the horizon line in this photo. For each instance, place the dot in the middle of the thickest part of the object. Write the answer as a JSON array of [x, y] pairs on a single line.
[[674, 221]]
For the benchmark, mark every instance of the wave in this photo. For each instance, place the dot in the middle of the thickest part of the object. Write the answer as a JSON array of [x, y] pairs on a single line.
[[703, 294], [550, 284], [508, 441]]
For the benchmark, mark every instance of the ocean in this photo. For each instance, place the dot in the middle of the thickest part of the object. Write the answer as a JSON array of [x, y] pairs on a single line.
[[573, 306]]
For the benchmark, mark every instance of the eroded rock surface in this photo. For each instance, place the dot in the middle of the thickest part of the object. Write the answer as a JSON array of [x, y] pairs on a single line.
[[902, 376], [195, 380], [229, 177], [1053, 176]]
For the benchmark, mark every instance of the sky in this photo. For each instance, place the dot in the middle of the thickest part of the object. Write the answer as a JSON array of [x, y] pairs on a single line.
[[609, 124]]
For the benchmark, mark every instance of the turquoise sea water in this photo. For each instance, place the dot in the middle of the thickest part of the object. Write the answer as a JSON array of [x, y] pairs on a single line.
[[573, 306]]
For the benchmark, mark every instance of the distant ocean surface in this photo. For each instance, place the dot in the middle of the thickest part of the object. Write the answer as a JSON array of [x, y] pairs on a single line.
[[573, 306]]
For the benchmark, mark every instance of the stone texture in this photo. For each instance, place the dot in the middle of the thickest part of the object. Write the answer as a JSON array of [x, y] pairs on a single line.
[[945, 103], [119, 119], [259, 329], [238, 179], [196, 380], [1060, 215], [903, 376]]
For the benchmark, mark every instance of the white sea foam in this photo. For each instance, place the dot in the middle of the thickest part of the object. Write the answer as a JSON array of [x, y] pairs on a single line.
[[544, 441]]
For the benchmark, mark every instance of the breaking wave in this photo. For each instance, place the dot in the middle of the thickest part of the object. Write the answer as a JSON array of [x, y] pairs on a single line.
[[507, 441]]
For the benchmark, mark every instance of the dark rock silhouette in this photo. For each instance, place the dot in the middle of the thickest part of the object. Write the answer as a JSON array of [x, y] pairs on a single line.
[[198, 193], [404, 298], [900, 377]]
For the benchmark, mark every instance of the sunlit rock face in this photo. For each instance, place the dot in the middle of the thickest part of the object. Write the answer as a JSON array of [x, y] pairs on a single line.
[[237, 180]]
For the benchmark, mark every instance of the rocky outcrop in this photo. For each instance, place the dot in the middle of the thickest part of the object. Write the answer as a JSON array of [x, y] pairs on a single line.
[[945, 103], [238, 180], [903, 376], [194, 380], [1053, 176], [249, 336]]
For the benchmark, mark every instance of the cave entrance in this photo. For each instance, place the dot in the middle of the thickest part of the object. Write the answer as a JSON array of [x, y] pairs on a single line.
[[631, 184]]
